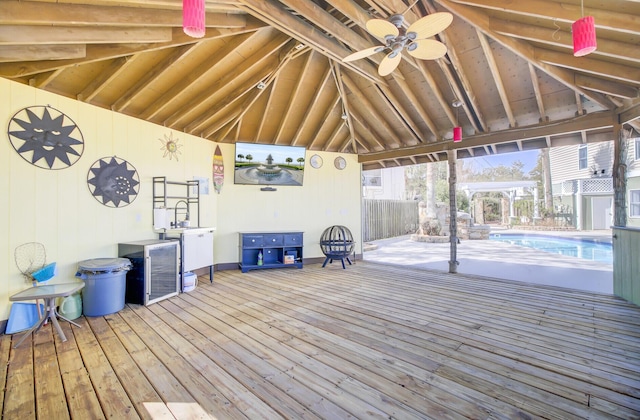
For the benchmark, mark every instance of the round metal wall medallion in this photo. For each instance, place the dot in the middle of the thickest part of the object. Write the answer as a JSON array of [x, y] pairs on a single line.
[[46, 137], [316, 161], [340, 162]]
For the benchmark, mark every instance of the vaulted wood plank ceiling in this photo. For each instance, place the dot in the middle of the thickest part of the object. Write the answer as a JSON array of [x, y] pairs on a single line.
[[272, 72]]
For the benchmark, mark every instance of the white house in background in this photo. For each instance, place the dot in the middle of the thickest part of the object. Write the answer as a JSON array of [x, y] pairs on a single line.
[[384, 184], [582, 183]]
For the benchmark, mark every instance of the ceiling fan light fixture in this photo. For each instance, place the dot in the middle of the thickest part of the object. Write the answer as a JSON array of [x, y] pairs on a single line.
[[584, 36], [193, 18]]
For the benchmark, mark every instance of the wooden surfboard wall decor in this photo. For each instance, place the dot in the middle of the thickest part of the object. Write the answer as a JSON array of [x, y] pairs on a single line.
[[218, 170]]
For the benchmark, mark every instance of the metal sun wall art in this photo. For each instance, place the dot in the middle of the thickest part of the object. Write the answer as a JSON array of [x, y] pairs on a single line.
[[45, 137], [170, 146], [114, 182]]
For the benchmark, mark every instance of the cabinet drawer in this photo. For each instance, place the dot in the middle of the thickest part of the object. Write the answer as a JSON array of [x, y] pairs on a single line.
[[273, 240], [249, 241], [293, 239]]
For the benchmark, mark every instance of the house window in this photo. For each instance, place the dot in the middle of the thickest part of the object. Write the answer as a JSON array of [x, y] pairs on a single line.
[[582, 156], [638, 149], [634, 203], [373, 178]]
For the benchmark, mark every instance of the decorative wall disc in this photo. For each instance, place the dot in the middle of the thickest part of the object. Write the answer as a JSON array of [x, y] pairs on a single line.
[[170, 146], [45, 137], [113, 182]]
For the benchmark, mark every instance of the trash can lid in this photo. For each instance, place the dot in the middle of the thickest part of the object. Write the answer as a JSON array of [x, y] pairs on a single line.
[[104, 265]]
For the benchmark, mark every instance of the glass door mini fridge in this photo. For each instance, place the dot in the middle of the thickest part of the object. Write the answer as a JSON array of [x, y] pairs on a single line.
[[155, 274]]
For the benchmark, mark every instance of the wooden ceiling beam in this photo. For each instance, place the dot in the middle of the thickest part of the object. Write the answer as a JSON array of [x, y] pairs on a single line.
[[272, 12], [346, 108], [607, 87], [401, 114], [58, 13], [373, 112], [106, 52], [537, 92], [413, 99], [34, 35], [294, 96], [593, 66], [250, 64], [497, 78], [594, 121], [368, 132], [206, 118], [613, 17], [312, 106], [522, 49], [113, 71], [289, 52], [15, 53], [562, 38], [138, 87], [465, 91]]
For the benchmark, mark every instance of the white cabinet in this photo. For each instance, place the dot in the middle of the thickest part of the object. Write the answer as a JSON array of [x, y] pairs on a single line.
[[196, 248], [197, 245]]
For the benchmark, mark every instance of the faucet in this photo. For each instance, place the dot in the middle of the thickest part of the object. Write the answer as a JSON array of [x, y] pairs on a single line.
[[175, 212]]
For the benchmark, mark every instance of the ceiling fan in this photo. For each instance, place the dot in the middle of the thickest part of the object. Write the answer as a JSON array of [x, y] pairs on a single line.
[[414, 39]]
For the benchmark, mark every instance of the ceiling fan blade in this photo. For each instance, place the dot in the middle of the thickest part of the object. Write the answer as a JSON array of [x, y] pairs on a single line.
[[381, 28], [430, 25], [389, 63], [362, 54], [427, 49]]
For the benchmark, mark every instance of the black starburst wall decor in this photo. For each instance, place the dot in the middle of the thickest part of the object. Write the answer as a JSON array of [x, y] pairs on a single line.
[[114, 182], [46, 137]]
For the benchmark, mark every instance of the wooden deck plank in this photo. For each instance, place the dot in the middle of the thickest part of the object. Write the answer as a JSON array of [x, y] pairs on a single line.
[[47, 378], [265, 381], [289, 364], [20, 400], [350, 334], [201, 390], [369, 341], [133, 380], [164, 323], [114, 401], [337, 352], [5, 348]]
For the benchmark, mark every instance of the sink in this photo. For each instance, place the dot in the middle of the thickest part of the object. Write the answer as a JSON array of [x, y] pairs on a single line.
[[189, 230]]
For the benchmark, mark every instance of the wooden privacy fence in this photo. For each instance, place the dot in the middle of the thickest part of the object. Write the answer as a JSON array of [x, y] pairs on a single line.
[[388, 218]]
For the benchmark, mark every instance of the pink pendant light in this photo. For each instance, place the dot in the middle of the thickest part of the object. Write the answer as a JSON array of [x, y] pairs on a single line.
[[584, 36], [193, 18], [457, 134], [457, 130]]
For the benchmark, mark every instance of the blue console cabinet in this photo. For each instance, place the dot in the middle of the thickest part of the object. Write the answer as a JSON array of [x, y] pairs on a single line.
[[278, 250]]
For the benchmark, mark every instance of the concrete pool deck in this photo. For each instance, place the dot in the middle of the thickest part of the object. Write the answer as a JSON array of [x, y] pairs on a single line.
[[502, 260]]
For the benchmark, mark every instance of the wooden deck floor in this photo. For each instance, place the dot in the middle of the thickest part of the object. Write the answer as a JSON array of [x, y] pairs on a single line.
[[371, 341]]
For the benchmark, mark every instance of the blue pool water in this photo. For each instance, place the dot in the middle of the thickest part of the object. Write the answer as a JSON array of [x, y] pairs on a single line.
[[579, 248]]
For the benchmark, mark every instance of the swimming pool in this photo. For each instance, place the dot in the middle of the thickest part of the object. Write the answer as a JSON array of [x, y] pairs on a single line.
[[579, 248]]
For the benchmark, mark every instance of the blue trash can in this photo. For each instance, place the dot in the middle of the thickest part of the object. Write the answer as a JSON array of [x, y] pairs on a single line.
[[105, 282]]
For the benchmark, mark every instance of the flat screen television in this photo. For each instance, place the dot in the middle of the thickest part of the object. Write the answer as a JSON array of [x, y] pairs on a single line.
[[268, 164]]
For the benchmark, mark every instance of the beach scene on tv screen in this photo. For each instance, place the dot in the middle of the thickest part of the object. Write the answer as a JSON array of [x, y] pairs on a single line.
[[268, 164]]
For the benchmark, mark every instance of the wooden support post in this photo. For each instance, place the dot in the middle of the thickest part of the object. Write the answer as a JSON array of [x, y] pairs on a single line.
[[619, 176], [453, 213]]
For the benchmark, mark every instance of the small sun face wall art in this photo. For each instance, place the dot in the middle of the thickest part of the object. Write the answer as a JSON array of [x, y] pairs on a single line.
[[114, 182], [45, 137], [170, 146]]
